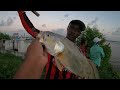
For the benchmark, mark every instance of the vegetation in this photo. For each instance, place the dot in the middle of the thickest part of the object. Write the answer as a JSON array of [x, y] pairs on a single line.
[[106, 70], [8, 65], [89, 34], [4, 36]]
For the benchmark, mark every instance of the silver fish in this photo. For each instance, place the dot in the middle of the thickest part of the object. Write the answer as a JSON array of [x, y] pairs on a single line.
[[67, 54]]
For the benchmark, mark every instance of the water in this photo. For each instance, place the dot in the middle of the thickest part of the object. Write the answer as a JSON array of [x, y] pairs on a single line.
[[115, 58]]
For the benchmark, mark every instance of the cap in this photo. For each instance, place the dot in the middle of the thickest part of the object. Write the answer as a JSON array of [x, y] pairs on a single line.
[[96, 39]]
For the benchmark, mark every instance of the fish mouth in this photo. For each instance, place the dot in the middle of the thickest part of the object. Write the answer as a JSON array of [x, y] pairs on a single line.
[[40, 37]]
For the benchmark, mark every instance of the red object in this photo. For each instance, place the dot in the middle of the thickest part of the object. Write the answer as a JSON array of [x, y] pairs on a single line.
[[52, 72], [25, 25], [83, 51]]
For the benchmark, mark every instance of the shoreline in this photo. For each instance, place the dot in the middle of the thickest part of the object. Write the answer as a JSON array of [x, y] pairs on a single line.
[[115, 54]]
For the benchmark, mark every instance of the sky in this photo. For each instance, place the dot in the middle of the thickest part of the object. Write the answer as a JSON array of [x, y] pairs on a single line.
[[57, 21]]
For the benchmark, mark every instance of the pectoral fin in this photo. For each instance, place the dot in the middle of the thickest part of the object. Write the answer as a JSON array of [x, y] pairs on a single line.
[[59, 65]]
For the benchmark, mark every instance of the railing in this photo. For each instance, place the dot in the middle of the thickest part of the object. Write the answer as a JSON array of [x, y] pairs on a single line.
[[18, 48]]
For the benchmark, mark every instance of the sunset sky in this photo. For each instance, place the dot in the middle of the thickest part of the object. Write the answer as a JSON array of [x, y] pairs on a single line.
[[58, 21]]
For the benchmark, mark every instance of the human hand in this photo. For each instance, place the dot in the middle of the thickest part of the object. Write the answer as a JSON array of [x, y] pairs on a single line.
[[35, 61], [35, 52]]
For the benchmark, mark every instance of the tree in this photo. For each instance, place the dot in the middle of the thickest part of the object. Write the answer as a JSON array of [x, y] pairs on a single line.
[[106, 70], [90, 34], [4, 36]]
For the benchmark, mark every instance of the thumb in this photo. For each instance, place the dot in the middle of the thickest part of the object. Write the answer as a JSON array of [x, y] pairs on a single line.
[[45, 52]]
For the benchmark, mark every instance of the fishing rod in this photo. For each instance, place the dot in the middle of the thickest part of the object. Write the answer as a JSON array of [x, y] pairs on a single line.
[[36, 13]]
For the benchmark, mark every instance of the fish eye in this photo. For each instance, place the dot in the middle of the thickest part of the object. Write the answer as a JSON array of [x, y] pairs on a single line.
[[48, 35]]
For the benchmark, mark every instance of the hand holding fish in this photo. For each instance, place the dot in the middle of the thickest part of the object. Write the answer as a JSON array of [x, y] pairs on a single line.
[[66, 54], [35, 61], [36, 52]]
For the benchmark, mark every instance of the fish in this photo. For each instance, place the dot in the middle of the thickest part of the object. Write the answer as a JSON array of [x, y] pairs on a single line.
[[67, 54]]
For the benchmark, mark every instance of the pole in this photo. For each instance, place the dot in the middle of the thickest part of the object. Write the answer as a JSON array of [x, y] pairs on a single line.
[[36, 13]]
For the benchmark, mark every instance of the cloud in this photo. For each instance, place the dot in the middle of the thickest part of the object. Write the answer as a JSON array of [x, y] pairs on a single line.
[[93, 21], [7, 22], [2, 23], [21, 32], [95, 26], [14, 18], [66, 15], [62, 19], [44, 25], [116, 32], [60, 31]]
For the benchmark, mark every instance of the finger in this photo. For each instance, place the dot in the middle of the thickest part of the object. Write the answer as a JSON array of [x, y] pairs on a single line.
[[45, 51], [43, 46], [38, 36], [45, 54], [36, 43]]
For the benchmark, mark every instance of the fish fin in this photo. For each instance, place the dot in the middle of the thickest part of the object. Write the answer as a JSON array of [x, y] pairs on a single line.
[[59, 65], [95, 71], [60, 56], [59, 47]]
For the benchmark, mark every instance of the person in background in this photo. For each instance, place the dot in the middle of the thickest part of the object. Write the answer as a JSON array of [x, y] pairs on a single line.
[[96, 52]]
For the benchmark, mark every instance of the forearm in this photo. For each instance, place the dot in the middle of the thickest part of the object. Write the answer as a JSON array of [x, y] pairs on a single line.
[[30, 69], [35, 60]]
